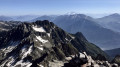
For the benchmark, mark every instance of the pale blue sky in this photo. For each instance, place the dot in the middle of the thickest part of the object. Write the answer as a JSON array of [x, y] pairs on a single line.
[[50, 7]]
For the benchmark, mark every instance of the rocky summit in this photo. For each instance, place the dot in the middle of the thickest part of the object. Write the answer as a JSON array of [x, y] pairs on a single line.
[[43, 44]]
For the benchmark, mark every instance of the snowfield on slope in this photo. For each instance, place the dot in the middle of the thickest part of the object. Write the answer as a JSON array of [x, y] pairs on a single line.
[[41, 39], [39, 29]]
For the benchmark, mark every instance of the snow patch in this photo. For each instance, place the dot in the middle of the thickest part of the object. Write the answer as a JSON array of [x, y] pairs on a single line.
[[41, 48], [12, 45], [25, 52], [66, 39], [4, 29], [56, 63], [4, 23], [11, 61], [2, 65], [96, 65], [90, 60], [8, 62], [48, 34], [39, 29], [72, 55], [54, 27], [41, 39], [41, 45], [71, 13], [29, 65], [40, 65], [72, 37], [36, 40], [82, 55], [68, 58], [23, 64]]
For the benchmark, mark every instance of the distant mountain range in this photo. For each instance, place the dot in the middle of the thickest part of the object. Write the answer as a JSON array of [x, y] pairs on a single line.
[[24, 17], [111, 22], [92, 30], [103, 32], [113, 52], [45, 17], [18, 18], [5, 18], [110, 18]]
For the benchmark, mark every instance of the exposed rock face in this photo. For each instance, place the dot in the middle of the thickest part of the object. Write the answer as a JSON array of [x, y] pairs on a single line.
[[88, 47], [87, 61], [8, 25], [100, 57], [42, 44], [116, 59], [77, 61]]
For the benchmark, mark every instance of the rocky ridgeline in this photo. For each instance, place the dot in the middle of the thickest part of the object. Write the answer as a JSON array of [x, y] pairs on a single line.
[[84, 60], [8, 25], [43, 44]]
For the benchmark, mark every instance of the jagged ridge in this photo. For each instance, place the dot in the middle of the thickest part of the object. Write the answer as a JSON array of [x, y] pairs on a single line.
[[41, 42]]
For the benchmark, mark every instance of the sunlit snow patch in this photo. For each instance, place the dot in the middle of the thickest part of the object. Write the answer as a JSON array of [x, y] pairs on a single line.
[[40, 65], [23, 64], [82, 55], [10, 47], [48, 34], [41, 39], [41, 48], [26, 51], [8, 62], [39, 29]]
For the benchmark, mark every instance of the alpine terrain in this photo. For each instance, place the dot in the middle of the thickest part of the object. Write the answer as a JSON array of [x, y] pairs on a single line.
[[43, 44]]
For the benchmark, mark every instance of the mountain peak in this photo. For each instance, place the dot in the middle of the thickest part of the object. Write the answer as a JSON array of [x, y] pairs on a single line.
[[115, 14], [41, 42], [71, 13], [75, 14], [44, 22]]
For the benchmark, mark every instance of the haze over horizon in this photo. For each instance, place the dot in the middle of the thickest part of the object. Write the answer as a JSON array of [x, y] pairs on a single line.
[[95, 8]]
